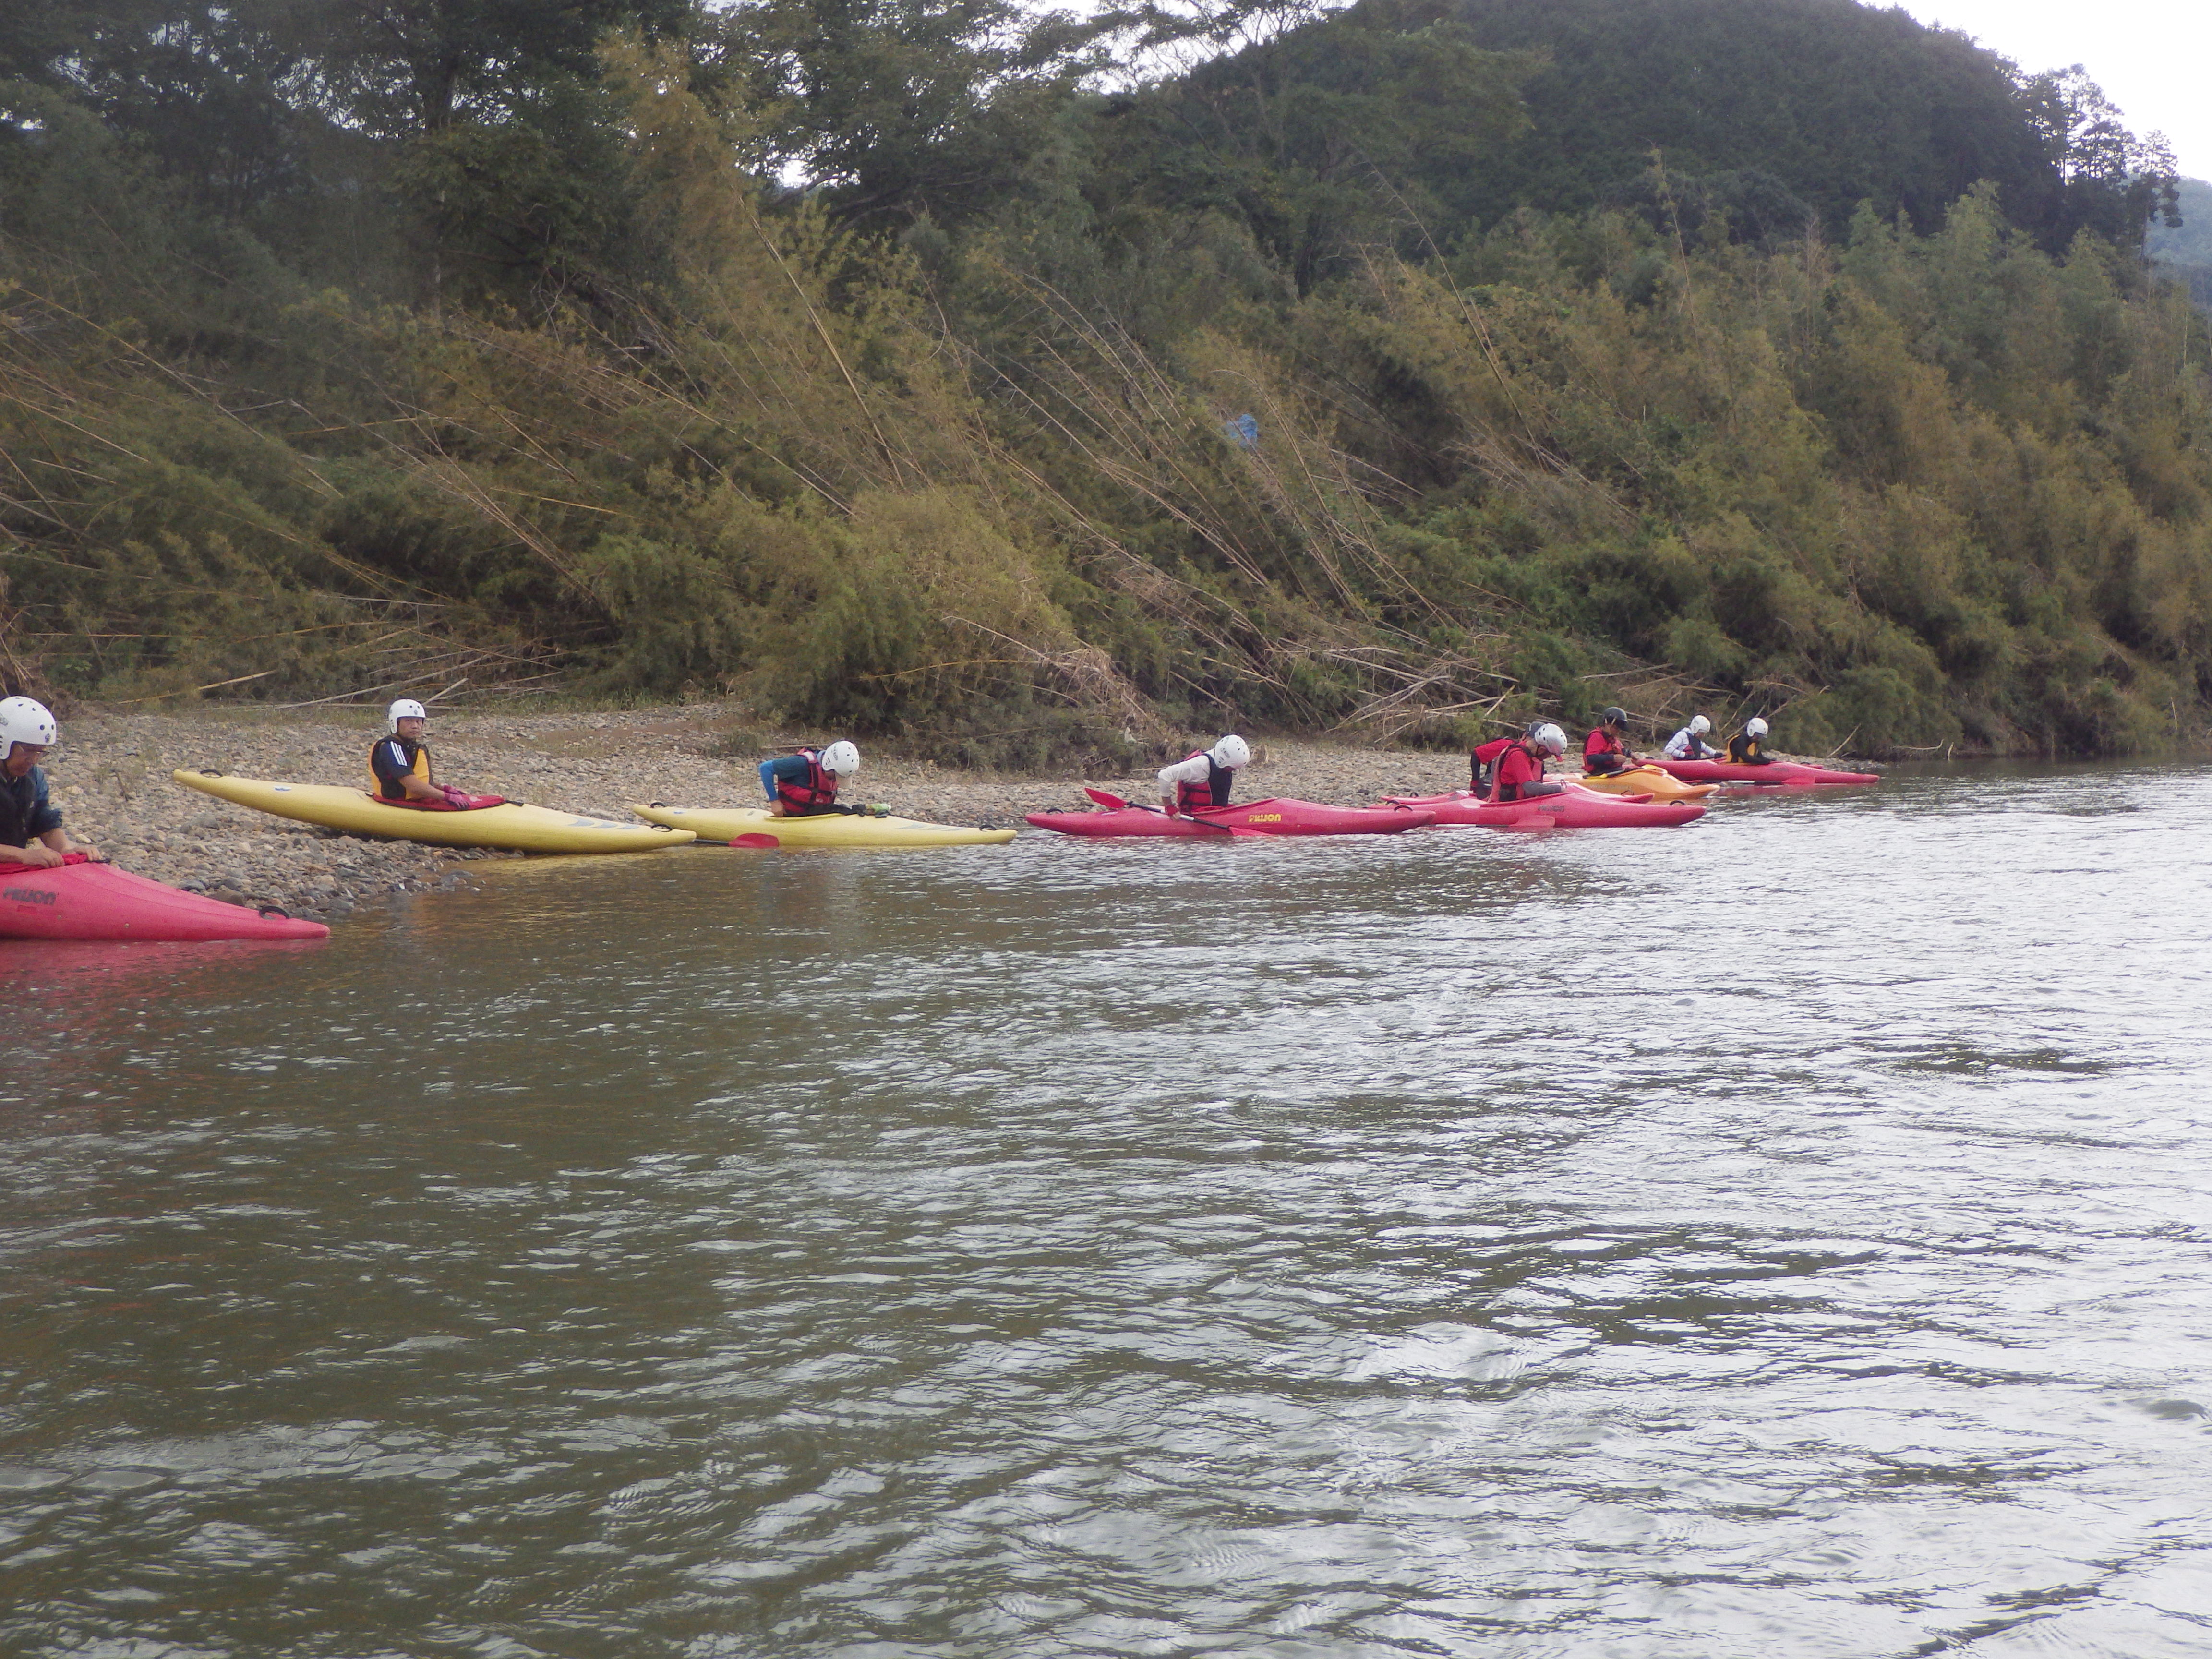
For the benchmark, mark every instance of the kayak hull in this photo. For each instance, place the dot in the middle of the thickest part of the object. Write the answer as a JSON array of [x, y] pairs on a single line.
[[1263, 817], [1647, 780], [1573, 808], [829, 830], [511, 827], [86, 901], [1774, 772]]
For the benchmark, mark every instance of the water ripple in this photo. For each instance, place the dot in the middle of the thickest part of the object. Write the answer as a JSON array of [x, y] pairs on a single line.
[[1784, 1235]]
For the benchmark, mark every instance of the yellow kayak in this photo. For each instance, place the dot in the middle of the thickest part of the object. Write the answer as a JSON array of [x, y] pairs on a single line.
[[512, 826], [1646, 780], [755, 826]]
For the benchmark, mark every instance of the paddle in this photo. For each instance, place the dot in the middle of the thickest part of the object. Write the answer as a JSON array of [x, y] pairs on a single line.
[[1117, 804]]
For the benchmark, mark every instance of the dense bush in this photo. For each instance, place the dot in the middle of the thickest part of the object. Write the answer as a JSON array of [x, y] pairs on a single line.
[[1087, 419]]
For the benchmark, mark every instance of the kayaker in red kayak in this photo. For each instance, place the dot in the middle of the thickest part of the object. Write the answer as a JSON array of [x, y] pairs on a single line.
[[1520, 774], [804, 784], [1482, 758], [1605, 750], [1744, 749], [1203, 778], [30, 824], [400, 762], [1689, 742]]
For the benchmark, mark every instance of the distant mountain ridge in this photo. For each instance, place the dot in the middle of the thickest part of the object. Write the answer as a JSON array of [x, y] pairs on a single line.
[[1842, 102]]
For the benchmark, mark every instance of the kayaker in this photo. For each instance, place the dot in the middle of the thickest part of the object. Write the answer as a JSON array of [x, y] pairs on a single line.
[[1689, 742], [805, 784], [401, 762], [1202, 778], [1744, 747], [1605, 750], [30, 824], [1519, 772]]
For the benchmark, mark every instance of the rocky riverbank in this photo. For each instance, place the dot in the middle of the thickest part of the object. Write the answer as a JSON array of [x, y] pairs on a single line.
[[111, 778]]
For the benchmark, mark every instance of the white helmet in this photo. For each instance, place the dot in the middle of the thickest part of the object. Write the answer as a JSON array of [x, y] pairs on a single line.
[[1550, 738], [1231, 752], [1755, 727], [26, 720], [405, 709], [1700, 726], [842, 758]]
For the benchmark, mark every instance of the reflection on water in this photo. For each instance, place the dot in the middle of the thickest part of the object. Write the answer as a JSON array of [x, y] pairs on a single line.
[[1781, 1235]]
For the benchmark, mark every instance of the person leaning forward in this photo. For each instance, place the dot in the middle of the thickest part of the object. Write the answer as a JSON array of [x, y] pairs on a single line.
[[1519, 775], [30, 824], [1746, 747], [1689, 742], [1605, 750], [805, 784], [1203, 778]]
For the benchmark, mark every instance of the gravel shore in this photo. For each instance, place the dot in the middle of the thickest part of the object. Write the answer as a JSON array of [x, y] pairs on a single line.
[[111, 779]]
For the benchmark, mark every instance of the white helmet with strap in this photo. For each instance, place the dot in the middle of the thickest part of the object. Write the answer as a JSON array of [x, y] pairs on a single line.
[[26, 720], [1550, 737], [1699, 724], [1755, 727], [405, 709], [1231, 752], [841, 757]]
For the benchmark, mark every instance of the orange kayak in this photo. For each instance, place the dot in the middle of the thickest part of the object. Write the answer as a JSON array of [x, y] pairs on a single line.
[[1646, 780]]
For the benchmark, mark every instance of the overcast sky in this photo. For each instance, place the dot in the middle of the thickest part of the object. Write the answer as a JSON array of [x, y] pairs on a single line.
[[2153, 58]]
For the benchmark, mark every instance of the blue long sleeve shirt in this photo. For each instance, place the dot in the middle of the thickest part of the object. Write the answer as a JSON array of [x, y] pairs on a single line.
[[791, 767], [26, 813]]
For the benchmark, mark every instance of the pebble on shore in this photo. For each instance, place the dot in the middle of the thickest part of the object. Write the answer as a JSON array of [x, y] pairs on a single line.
[[111, 779]]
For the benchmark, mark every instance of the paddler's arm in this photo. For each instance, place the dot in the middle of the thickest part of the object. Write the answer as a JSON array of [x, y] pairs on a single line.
[[34, 853], [384, 761], [48, 842], [1193, 770], [792, 767]]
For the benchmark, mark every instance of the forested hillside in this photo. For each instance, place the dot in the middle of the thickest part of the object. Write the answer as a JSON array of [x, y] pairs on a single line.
[[908, 369]]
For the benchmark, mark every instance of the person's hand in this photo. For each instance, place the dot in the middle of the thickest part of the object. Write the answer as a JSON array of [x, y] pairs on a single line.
[[39, 856], [91, 854]]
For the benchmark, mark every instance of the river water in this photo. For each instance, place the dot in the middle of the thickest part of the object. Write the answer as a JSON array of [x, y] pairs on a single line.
[[1784, 1235]]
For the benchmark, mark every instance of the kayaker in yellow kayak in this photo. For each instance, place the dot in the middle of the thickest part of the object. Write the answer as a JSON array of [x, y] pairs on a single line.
[[1203, 778], [400, 762], [1689, 742], [30, 824], [805, 784], [1744, 747], [1605, 750]]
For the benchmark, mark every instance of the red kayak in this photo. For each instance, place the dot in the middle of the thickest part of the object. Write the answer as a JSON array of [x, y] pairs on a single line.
[[1784, 772], [1573, 808], [1259, 818], [83, 900]]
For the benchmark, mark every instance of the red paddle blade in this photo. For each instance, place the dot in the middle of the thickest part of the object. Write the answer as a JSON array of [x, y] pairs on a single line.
[[757, 843], [1104, 799]]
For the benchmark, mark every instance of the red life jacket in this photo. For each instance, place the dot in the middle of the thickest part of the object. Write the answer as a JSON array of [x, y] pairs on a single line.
[[1214, 792], [820, 789], [1518, 766], [1484, 758], [1602, 742]]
